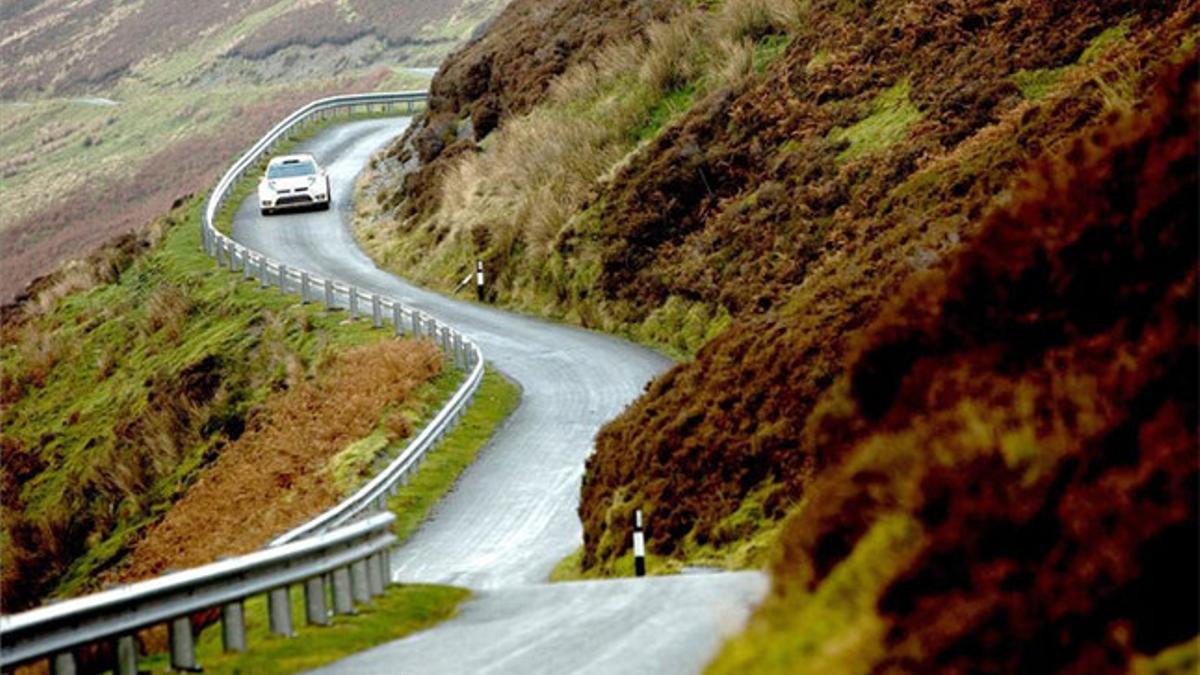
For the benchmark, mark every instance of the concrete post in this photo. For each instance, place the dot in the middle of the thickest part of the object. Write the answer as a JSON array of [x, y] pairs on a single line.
[[343, 599], [304, 287], [375, 575], [314, 602], [329, 294], [125, 651], [396, 318], [183, 644], [63, 663], [233, 627], [353, 303], [279, 604], [282, 278], [359, 583], [376, 311]]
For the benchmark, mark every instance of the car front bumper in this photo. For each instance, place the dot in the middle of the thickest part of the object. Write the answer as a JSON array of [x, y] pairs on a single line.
[[294, 201]]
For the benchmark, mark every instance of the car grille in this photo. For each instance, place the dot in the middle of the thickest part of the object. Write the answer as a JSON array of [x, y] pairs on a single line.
[[294, 199]]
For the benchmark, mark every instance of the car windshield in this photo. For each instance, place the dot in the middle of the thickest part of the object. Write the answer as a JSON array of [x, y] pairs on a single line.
[[291, 170]]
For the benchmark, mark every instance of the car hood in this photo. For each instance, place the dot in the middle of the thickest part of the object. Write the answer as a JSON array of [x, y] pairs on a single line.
[[291, 183]]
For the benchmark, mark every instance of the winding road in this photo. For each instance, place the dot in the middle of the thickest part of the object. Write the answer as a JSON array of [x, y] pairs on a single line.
[[512, 515]]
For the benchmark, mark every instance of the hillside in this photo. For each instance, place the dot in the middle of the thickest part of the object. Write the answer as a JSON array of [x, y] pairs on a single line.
[[66, 47], [905, 245], [125, 107], [143, 385], [1013, 474]]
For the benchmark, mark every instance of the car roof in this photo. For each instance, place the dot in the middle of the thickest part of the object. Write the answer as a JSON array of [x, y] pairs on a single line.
[[293, 159]]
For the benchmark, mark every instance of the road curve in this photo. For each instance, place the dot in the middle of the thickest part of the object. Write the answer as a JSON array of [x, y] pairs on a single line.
[[512, 515]]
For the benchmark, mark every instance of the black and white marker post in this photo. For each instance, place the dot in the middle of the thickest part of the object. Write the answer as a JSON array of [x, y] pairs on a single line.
[[639, 545], [479, 279]]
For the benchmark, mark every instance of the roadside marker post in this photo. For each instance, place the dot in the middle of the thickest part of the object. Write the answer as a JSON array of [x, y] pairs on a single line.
[[479, 280], [639, 545]]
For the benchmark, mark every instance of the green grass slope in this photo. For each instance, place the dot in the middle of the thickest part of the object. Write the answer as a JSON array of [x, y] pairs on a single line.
[[121, 381]]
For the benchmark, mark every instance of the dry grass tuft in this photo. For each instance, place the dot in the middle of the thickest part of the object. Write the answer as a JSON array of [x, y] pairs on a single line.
[[278, 470]]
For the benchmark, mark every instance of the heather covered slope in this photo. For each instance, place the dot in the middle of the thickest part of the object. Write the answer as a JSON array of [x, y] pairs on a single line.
[[948, 254], [1012, 472], [757, 177]]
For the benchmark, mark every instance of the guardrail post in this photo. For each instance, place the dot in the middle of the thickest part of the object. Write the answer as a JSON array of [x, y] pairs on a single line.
[[263, 280], [376, 311], [396, 318], [282, 278], [343, 598], [125, 651], [279, 605], [303, 287], [247, 269], [416, 318], [329, 294], [387, 566], [233, 627], [63, 663], [446, 341], [314, 601], [183, 644], [375, 575], [353, 303], [359, 583]]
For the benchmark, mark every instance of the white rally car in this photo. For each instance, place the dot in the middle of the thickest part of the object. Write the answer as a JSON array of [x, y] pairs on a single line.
[[293, 181]]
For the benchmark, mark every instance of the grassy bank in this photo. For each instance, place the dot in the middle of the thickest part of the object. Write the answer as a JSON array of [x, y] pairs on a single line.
[[402, 610], [123, 380]]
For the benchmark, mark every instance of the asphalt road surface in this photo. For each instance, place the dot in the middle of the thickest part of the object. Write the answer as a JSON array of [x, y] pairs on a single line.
[[512, 515]]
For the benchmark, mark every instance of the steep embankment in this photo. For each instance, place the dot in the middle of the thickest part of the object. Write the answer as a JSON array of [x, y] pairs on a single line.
[[142, 386], [733, 430], [787, 164], [1013, 473], [776, 174]]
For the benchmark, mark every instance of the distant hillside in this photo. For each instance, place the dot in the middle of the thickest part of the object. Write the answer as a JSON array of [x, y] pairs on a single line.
[[820, 201], [60, 47], [129, 104]]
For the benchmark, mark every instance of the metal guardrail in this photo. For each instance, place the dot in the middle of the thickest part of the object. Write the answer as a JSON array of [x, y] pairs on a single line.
[[342, 553], [358, 550]]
